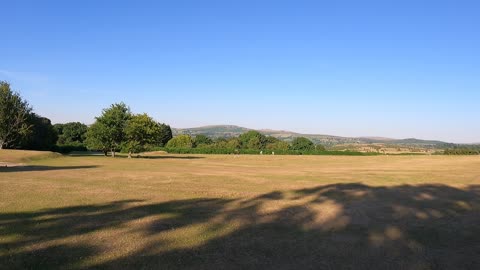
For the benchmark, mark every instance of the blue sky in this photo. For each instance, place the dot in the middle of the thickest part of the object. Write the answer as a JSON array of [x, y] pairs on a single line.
[[353, 68]]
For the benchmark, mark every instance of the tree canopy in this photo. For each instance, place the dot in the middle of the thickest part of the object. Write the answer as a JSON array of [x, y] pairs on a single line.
[[71, 133], [180, 141], [302, 143], [14, 116], [141, 132], [109, 128], [253, 140]]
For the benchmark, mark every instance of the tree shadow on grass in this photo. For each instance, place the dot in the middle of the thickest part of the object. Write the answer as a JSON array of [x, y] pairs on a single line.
[[30, 168], [340, 226]]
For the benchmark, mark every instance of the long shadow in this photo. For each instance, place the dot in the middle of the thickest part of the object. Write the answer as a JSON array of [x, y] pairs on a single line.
[[30, 168], [341, 226], [171, 157], [135, 156]]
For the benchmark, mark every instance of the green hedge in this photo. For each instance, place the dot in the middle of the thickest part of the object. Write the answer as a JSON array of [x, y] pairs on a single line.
[[257, 152]]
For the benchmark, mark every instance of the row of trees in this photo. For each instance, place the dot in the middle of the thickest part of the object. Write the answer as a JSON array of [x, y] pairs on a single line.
[[471, 150], [252, 140], [116, 129]]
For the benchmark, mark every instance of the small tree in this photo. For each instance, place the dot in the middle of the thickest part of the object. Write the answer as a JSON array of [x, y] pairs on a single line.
[[14, 113], [141, 131], [302, 143], [180, 141], [109, 131]]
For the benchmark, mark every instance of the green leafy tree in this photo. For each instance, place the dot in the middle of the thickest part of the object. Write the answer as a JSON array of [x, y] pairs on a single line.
[[320, 147], [202, 140], [141, 132], [253, 140], [233, 143], [271, 139], [71, 133], [180, 141], [165, 134], [279, 145], [109, 128], [43, 135], [302, 143], [96, 138], [14, 115]]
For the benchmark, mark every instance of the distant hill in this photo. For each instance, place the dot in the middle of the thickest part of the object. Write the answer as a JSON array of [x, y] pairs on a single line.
[[226, 131]]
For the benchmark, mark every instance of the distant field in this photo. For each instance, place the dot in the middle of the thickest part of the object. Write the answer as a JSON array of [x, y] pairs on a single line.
[[239, 212]]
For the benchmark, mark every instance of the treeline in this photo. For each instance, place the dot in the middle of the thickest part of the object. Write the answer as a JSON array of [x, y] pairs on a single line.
[[466, 150], [116, 129], [251, 142]]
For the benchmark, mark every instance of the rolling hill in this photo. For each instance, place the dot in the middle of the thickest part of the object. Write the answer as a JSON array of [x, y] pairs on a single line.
[[226, 131]]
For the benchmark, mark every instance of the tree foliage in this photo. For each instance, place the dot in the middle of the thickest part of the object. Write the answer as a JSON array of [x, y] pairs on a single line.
[[253, 140], [109, 129], [14, 115], [302, 143], [71, 133], [201, 139], [180, 141], [280, 145], [165, 134], [141, 132], [42, 136]]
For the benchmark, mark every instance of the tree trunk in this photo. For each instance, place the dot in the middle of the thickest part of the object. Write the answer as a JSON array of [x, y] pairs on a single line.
[[113, 153], [130, 154], [105, 152]]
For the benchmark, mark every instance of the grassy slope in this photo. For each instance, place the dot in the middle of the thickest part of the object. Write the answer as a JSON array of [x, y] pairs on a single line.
[[20, 156], [278, 212]]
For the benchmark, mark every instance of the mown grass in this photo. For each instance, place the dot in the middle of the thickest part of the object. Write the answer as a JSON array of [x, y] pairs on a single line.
[[241, 212]]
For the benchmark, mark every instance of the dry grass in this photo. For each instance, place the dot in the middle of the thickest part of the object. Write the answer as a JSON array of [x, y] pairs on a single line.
[[240, 212]]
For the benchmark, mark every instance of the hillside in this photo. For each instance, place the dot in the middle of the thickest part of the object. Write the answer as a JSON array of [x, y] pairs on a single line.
[[226, 131]]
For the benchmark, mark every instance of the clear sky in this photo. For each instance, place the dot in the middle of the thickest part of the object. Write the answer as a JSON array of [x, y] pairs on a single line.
[[353, 68]]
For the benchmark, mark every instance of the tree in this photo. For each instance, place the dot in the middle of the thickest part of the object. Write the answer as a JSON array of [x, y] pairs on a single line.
[[141, 131], [165, 134], [180, 141], [71, 133], [14, 113], [320, 147], [202, 140], [233, 143], [271, 139], [96, 138], [302, 143], [253, 140], [43, 136], [109, 131], [280, 145]]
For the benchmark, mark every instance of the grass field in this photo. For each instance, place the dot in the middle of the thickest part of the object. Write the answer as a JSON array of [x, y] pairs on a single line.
[[239, 212]]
